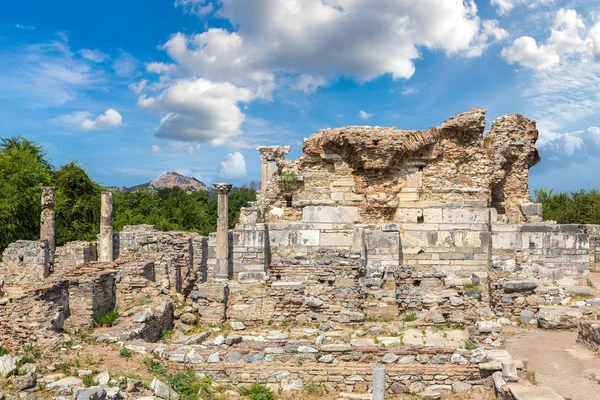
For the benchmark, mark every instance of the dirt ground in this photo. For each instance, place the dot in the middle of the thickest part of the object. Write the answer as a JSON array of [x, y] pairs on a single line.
[[558, 361]]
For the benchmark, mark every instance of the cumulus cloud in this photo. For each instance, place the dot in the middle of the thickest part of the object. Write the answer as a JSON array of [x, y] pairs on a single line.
[[81, 120], [199, 110], [364, 115], [110, 119], [570, 143], [303, 45], [234, 167], [565, 39]]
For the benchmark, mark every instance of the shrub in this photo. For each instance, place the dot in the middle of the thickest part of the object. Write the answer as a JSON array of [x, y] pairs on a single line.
[[166, 334], [187, 385], [3, 351], [64, 368], [289, 181], [107, 319], [469, 345], [125, 353], [257, 392], [315, 389], [410, 317]]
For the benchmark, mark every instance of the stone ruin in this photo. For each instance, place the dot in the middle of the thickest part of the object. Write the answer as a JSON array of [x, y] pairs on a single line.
[[378, 246]]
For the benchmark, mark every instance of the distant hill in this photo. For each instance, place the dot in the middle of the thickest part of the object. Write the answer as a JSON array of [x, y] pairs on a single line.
[[173, 179]]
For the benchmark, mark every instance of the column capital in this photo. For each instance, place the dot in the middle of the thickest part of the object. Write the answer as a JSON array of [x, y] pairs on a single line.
[[222, 188], [48, 197], [271, 153]]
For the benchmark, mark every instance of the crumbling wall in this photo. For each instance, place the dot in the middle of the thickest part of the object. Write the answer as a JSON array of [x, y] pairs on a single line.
[[92, 292], [176, 259], [75, 254], [34, 315], [381, 170], [537, 264], [25, 261]]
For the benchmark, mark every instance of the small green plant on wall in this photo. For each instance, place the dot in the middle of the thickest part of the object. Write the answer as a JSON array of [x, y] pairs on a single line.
[[289, 181]]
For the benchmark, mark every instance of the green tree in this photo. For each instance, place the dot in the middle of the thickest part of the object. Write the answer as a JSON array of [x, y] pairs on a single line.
[[23, 171], [582, 207], [77, 205], [237, 199]]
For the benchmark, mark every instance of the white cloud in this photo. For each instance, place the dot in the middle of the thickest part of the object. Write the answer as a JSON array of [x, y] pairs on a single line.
[[47, 74], [198, 7], [505, 6], [93, 55], [526, 52], [199, 110], [570, 143], [139, 86], [81, 120], [304, 45], [408, 91], [364, 115], [159, 68], [155, 148], [234, 167], [565, 39], [125, 65]]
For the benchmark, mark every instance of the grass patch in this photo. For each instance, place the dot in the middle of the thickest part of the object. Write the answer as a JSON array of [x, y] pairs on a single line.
[[107, 320], [64, 368], [166, 334], [590, 283], [3, 351], [125, 353], [468, 345], [186, 384], [25, 360], [154, 366], [410, 317], [88, 380], [257, 392], [315, 389], [530, 375]]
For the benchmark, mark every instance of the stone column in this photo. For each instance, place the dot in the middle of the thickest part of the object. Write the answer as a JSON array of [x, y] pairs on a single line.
[[106, 233], [47, 223], [378, 382], [222, 245], [269, 154]]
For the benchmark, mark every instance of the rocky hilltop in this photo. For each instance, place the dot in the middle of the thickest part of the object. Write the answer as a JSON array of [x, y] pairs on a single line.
[[173, 179]]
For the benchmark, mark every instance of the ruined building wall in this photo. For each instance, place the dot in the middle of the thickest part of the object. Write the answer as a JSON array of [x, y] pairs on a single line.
[[177, 256], [25, 261], [379, 170], [75, 254]]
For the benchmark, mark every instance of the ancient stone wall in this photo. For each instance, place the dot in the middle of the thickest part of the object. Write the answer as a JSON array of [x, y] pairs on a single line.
[[34, 315], [532, 265], [92, 292], [372, 172], [75, 254], [178, 256], [25, 261]]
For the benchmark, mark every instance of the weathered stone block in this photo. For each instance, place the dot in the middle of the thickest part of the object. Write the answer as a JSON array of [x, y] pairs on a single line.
[[330, 214]]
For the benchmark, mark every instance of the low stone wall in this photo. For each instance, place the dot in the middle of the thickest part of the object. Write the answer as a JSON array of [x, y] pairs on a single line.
[[74, 254], [25, 261], [177, 261], [92, 292], [589, 334], [34, 315]]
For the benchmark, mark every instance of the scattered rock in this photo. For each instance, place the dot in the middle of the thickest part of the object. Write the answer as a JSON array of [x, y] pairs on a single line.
[[25, 381]]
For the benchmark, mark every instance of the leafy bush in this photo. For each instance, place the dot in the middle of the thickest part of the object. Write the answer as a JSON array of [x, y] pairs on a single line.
[[186, 384], [107, 319], [3, 351], [125, 353], [166, 334], [88, 380], [257, 392]]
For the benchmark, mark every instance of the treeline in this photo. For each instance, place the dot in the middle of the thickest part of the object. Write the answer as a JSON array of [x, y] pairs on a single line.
[[582, 207], [25, 168]]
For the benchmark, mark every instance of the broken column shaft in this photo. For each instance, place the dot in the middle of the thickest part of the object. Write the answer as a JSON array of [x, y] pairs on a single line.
[[47, 222], [222, 242], [269, 155], [106, 233]]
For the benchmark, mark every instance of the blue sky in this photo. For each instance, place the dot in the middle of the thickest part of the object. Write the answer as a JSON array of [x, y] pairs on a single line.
[[132, 89]]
